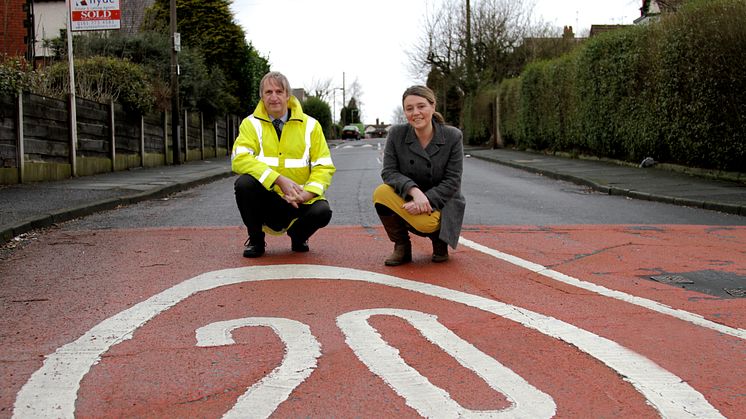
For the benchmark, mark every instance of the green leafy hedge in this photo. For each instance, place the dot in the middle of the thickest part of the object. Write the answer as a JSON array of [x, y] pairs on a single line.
[[16, 74], [673, 90], [319, 109], [102, 79]]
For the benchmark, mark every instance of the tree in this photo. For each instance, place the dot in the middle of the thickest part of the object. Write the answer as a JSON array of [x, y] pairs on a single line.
[[397, 117], [199, 87], [317, 108], [350, 113], [465, 46], [355, 91], [321, 89], [209, 26]]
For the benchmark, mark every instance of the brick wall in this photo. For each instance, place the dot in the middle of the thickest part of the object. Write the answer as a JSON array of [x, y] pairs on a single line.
[[12, 30]]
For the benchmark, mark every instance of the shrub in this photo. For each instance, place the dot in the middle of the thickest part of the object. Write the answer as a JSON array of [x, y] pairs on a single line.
[[616, 81], [479, 115], [511, 126], [16, 74], [673, 90], [702, 93], [104, 79], [319, 109]]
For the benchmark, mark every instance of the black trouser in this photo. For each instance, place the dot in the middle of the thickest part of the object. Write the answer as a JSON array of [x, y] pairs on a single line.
[[259, 207]]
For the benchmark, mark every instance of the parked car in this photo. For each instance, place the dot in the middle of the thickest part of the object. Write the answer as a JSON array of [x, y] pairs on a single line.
[[350, 132]]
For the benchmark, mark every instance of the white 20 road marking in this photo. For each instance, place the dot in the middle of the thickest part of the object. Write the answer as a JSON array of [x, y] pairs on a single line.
[[301, 352], [51, 391], [589, 286], [430, 401]]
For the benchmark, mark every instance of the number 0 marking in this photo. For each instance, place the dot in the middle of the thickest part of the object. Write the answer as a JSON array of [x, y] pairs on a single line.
[[420, 394], [302, 351]]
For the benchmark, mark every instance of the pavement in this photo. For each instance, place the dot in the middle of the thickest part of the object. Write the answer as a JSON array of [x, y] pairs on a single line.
[[31, 206]]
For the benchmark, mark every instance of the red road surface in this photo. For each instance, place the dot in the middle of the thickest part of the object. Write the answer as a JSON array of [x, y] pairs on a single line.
[[63, 285]]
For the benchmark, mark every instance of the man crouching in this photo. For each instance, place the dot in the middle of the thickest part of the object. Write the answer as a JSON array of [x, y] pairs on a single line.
[[285, 167]]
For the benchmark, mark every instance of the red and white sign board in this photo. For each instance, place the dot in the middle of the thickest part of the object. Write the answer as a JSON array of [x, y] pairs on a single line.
[[91, 15]]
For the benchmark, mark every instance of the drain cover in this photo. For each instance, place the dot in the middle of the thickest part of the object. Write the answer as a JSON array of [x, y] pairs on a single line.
[[736, 292], [671, 279], [716, 283]]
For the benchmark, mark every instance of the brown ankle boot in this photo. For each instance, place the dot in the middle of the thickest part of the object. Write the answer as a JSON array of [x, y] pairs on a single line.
[[396, 229], [402, 254], [440, 250]]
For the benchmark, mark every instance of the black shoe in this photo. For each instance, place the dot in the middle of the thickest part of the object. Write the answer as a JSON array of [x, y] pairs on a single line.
[[253, 250], [299, 246]]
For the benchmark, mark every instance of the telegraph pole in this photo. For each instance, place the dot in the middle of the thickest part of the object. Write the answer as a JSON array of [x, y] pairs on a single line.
[[175, 48]]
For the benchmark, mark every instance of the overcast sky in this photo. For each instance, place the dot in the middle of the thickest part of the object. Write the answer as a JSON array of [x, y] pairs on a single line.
[[368, 41]]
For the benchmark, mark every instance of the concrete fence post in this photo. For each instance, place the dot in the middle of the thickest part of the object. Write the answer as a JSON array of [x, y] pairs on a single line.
[[186, 135], [19, 138], [165, 138], [113, 140], [215, 134], [201, 135], [73, 124], [142, 140]]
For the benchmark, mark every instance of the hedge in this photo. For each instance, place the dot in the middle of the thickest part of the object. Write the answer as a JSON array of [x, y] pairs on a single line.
[[674, 90]]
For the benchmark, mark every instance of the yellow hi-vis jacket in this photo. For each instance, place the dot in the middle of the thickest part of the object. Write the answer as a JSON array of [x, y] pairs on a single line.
[[301, 154]]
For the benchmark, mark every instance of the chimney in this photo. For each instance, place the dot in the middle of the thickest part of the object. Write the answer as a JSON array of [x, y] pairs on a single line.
[[568, 33]]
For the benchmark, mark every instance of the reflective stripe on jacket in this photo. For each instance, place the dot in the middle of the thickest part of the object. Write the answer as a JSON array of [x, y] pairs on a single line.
[[301, 154]]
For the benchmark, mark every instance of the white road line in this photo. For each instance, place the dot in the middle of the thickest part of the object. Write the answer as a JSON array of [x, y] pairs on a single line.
[[52, 390], [420, 394], [302, 351], [598, 289]]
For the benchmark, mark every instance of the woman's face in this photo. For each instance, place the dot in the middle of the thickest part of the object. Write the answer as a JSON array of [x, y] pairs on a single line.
[[419, 111]]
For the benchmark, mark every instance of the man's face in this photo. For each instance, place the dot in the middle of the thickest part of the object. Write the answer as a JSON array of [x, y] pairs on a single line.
[[275, 98]]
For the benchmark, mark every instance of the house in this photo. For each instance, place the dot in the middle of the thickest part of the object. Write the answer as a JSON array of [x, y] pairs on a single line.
[[377, 130], [49, 18], [652, 10], [300, 94], [28, 24], [599, 29], [549, 47], [16, 29]]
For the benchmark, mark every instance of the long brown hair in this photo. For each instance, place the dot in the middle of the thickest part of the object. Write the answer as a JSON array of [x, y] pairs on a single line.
[[427, 94]]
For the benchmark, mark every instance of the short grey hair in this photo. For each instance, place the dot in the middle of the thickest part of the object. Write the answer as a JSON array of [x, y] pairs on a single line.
[[277, 77]]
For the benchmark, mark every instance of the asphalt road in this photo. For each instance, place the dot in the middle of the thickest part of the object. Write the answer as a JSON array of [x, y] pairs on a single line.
[[496, 195]]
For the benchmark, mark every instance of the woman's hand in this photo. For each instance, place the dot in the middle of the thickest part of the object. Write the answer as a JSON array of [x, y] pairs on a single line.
[[419, 203]]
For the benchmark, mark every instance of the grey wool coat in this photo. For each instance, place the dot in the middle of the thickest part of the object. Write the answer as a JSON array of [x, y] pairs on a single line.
[[436, 170]]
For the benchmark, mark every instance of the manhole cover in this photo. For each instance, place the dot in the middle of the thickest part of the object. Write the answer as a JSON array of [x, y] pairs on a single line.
[[716, 283], [671, 279], [736, 292]]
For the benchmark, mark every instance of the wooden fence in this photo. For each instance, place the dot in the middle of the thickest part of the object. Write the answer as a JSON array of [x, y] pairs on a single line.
[[36, 140]]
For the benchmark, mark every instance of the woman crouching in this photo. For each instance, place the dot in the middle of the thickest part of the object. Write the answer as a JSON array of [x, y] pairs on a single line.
[[422, 168]]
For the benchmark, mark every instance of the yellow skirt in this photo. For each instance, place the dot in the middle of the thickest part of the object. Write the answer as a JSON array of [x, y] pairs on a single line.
[[424, 223]]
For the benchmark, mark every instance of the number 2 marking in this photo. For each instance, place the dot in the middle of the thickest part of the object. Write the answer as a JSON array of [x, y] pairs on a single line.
[[301, 352]]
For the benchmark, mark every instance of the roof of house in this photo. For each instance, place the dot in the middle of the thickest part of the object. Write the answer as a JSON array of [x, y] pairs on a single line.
[[597, 29]]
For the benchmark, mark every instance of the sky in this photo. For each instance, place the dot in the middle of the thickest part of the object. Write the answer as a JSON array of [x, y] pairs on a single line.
[[370, 41]]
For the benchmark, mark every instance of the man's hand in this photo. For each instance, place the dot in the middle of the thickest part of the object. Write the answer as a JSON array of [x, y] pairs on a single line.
[[419, 203], [293, 193]]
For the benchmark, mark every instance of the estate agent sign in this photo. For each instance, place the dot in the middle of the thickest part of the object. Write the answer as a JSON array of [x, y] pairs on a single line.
[[90, 15]]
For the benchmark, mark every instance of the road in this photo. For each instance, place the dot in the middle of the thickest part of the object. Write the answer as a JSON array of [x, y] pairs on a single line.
[[558, 302], [496, 195]]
